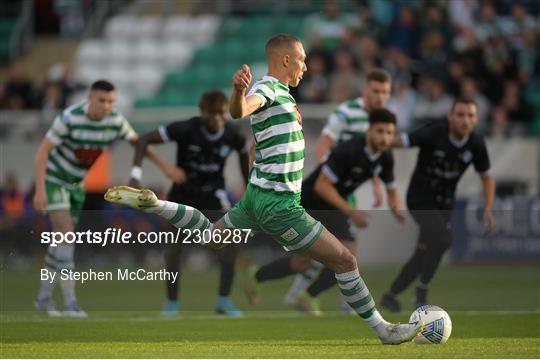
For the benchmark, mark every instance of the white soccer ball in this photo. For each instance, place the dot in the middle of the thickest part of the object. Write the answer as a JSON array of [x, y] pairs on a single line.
[[437, 325]]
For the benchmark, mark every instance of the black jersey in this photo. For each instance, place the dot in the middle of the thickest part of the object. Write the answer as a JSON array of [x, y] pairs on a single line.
[[202, 155], [442, 160], [348, 166]]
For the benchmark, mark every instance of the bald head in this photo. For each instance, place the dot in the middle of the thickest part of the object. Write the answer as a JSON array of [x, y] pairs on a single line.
[[280, 44]]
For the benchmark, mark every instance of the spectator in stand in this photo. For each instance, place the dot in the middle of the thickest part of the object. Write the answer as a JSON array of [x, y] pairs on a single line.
[[469, 89], [513, 113], [365, 24], [433, 103], [315, 85], [18, 92], [404, 31], [488, 25], [516, 26], [344, 81], [402, 102], [433, 53], [398, 63], [461, 13], [365, 49], [435, 20], [326, 31], [528, 58]]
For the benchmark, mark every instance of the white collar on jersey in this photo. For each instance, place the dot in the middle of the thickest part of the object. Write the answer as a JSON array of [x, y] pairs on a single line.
[[269, 78], [371, 156], [458, 143], [360, 101], [212, 137]]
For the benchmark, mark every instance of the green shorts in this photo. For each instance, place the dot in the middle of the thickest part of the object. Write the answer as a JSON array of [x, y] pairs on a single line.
[[278, 214], [65, 197]]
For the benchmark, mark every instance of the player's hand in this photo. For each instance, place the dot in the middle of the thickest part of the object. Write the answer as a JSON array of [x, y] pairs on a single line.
[[242, 78], [134, 183], [359, 218], [176, 174], [488, 221], [398, 215], [40, 199]]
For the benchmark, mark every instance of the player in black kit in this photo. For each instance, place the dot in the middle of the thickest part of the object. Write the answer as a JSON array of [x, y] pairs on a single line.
[[324, 195], [203, 144], [447, 148]]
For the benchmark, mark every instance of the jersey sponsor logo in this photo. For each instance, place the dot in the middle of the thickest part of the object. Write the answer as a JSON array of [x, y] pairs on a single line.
[[224, 150], [87, 156], [466, 156], [298, 114], [192, 147], [289, 235]]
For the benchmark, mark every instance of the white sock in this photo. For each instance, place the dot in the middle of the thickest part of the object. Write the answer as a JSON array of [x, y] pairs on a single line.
[[46, 287], [357, 294], [65, 258]]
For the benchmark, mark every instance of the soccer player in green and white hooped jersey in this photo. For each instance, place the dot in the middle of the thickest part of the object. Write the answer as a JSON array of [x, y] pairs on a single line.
[[349, 119], [272, 200], [75, 140]]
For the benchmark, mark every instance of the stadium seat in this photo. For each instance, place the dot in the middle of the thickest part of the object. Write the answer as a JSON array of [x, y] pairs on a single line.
[[92, 52], [122, 27], [176, 54]]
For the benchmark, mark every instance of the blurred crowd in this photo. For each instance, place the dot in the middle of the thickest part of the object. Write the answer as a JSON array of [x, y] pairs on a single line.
[[435, 51], [19, 92]]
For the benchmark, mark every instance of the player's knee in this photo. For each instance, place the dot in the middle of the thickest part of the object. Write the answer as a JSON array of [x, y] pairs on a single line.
[[347, 262]]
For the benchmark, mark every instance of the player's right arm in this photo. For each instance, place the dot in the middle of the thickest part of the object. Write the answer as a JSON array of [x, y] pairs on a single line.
[[324, 144], [337, 122], [42, 156], [141, 145], [325, 188], [241, 105], [336, 167]]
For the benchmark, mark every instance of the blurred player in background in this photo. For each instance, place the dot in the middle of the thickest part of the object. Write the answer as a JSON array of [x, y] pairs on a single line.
[[271, 202], [75, 140], [203, 144], [350, 119], [447, 148], [325, 192]]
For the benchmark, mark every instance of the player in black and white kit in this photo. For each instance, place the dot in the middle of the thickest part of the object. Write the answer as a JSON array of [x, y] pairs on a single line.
[[447, 148], [324, 195], [203, 144]]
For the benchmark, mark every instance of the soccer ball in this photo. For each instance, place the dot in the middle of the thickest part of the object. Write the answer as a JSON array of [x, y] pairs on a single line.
[[437, 324]]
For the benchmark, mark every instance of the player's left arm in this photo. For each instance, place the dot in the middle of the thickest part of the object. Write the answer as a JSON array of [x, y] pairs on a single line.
[[142, 149], [488, 185], [482, 166], [132, 137], [387, 176]]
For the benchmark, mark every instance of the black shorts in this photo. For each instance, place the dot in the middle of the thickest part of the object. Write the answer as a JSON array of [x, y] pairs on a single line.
[[333, 220], [206, 202]]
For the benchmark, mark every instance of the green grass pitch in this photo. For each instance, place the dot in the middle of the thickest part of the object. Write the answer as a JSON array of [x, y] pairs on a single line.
[[494, 309]]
